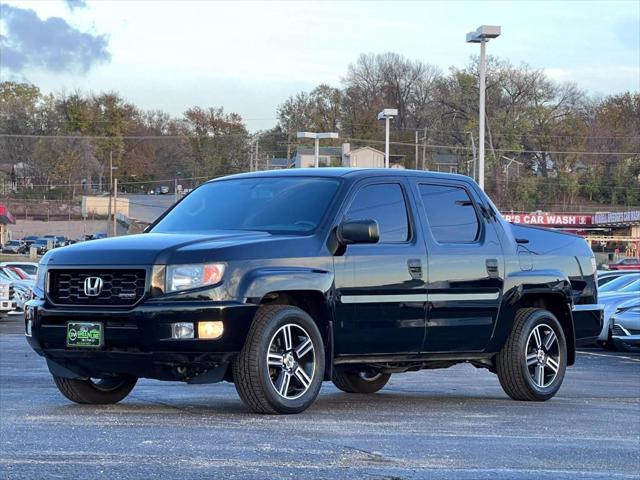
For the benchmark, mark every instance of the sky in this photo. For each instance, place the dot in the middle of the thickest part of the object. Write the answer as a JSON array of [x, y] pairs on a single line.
[[250, 56]]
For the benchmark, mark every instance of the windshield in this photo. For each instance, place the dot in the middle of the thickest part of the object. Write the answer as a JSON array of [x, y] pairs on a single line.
[[618, 283], [274, 205]]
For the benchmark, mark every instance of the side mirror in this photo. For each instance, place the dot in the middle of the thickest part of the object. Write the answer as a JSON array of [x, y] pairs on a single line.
[[358, 231]]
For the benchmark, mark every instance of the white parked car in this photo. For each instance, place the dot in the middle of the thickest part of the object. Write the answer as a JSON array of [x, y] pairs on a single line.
[[6, 304]]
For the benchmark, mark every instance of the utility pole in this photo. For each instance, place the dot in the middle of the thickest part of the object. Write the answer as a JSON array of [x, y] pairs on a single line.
[[175, 190], [481, 119], [110, 185], [416, 149], [473, 147], [387, 114], [482, 35], [424, 149], [257, 154], [115, 210]]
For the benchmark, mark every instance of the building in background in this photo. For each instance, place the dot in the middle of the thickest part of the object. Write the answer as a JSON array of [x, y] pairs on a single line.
[[329, 157]]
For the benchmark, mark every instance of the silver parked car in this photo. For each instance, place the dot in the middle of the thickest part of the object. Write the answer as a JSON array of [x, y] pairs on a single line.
[[606, 276], [625, 330], [612, 297]]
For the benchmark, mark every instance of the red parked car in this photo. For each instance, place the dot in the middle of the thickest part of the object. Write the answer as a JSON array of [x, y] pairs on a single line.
[[625, 264]]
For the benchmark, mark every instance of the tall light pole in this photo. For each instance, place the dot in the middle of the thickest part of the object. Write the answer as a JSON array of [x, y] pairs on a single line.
[[317, 137], [387, 114], [482, 36]]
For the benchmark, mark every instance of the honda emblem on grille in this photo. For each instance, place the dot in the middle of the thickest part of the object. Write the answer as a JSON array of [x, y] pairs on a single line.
[[93, 286]]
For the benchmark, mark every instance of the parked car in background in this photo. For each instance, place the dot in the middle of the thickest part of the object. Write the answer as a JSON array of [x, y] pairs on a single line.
[[42, 245], [605, 276], [611, 300], [625, 330], [15, 246], [58, 241], [618, 283], [624, 264], [20, 289], [30, 239], [30, 268], [21, 273], [164, 190], [6, 304]]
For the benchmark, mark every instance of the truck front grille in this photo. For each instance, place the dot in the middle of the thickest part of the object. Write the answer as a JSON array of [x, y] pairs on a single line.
[[117, 287]]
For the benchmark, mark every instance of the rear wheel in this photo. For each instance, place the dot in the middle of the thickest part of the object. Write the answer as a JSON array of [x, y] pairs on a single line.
[[95, 391], [359, 380], [281, 366], [532, 362]]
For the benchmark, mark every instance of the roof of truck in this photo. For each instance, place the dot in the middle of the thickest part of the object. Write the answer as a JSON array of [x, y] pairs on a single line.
[[349, 173]]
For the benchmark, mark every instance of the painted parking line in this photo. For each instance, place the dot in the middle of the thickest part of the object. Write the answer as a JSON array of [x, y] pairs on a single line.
[[610, 355]]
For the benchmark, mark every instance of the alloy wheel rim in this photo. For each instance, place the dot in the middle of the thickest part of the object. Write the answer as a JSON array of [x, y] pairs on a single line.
[[543, 355], [291, 361]]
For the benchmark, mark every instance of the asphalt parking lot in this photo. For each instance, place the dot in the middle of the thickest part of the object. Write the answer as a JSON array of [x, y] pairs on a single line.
[[454, 423]]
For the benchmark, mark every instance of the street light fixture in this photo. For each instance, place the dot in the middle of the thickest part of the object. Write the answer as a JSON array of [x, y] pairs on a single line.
[[387, 114], [317, 137], [482, 35]]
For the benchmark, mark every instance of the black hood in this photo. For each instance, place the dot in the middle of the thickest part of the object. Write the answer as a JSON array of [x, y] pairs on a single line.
[[153, 248]]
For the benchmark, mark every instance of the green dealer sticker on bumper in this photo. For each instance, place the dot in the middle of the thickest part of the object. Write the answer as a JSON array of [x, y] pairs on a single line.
[[84, 334]]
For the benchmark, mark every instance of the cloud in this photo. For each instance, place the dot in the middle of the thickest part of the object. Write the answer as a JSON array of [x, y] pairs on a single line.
[[73, 4], [52, 44]]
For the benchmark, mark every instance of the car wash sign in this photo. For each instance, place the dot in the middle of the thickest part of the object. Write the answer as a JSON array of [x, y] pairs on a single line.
[[550, 219], [628, 217]]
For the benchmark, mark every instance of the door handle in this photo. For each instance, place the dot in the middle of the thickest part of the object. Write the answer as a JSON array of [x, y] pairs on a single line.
[[415, 268], [492, 267]]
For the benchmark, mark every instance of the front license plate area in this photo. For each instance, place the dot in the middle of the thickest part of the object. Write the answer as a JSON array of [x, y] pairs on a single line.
[[84, 335]]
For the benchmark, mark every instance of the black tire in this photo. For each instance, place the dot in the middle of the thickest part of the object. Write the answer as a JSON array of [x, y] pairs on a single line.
[[514, 372], [255, 379], [359, 380], [95, 392]]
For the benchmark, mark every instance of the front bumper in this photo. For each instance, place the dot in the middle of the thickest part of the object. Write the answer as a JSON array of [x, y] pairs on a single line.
[[138, 341]]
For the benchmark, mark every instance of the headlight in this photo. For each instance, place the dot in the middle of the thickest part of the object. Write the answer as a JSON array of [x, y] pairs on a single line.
[[186, 277], [41, 278]]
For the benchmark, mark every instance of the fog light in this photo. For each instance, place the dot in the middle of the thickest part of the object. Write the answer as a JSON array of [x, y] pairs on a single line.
[[28, 316], [210, 330], [182, 330]]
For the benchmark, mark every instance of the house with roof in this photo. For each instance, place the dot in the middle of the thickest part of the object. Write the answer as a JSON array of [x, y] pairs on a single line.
[[446, 162], [363, 157], [278, 163], [328, 157]]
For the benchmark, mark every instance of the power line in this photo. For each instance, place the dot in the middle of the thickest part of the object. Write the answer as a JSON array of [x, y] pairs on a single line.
[[360, 140], [461, 147]]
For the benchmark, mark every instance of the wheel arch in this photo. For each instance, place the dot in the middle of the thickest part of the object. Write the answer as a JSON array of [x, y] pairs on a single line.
[[316, 304], [557, 303]]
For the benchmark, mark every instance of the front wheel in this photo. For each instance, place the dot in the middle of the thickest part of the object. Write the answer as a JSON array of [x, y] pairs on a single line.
[[281, 366], [532, 363], [100, 391], [359, 380]]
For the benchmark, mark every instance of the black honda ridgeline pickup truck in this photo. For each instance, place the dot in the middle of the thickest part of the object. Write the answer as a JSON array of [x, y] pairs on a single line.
[[278, 281]]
